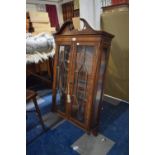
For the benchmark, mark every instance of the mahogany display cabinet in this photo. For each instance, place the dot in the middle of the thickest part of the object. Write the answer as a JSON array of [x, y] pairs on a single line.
[[79, 74]]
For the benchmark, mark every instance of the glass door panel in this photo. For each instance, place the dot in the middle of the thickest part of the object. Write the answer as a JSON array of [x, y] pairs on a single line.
[[62, 77], [82, 75]]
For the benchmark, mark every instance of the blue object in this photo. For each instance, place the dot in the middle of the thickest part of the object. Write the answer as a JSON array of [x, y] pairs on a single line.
[[114, 124]]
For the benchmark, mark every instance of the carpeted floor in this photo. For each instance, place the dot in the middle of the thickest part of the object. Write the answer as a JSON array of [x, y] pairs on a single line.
[[57, 140], [114, 124]]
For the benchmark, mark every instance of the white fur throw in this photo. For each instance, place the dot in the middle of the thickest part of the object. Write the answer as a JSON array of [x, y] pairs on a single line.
[[39, 47]]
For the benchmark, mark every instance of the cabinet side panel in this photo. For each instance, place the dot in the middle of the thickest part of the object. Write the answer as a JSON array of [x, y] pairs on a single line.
[[99, 89]]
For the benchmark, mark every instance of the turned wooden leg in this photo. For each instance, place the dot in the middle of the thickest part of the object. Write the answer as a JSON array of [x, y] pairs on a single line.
[[95, 131], [38, 112], [88, 132]]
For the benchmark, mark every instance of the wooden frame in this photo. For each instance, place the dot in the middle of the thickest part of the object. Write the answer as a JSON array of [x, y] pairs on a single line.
[[101, 42]]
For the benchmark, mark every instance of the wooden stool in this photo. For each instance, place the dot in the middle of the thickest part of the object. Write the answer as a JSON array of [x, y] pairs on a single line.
[[31, 95]]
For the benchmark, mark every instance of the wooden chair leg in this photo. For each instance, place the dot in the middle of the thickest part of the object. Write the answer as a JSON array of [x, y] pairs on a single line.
[[38, 112]]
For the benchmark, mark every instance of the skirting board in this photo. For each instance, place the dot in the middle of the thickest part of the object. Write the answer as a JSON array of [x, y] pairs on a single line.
[[113, 100]]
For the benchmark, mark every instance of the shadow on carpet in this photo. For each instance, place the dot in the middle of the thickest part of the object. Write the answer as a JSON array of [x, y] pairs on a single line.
[[57, 141]]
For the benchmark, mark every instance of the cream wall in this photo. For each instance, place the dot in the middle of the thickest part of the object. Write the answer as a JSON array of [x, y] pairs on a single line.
[[31, 7], [91, 10], [64, 1]]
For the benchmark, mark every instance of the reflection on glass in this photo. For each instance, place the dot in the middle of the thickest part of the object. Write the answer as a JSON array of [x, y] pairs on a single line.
[[98, 95], [83, 69], [62, 72]]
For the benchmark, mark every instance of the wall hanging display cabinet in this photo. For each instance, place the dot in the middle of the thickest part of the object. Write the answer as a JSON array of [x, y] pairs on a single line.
[[79, 74]]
